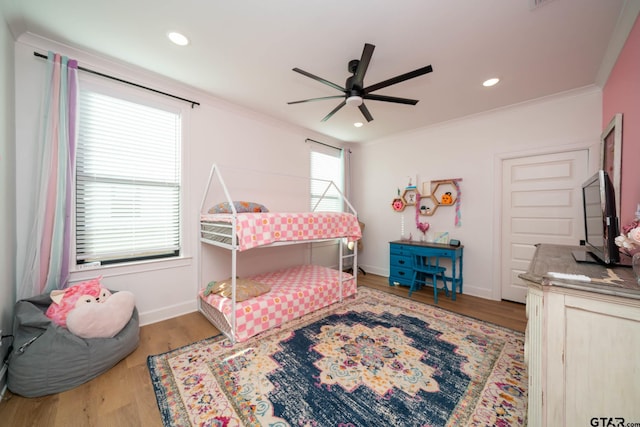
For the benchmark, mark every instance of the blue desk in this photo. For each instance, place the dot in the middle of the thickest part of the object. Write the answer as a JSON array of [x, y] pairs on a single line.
[[401, 261]]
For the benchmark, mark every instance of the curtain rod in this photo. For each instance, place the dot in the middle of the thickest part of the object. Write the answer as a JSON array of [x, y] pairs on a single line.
[[322, 143], [193, 103]]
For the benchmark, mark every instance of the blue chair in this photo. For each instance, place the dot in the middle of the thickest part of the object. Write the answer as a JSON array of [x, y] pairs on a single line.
[[423, 268]]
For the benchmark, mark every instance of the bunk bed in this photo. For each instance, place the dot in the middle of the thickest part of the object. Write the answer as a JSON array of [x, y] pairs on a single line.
[[241, 307]]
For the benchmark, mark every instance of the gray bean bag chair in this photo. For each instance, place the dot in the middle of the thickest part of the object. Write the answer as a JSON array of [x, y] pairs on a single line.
[[46, 358]]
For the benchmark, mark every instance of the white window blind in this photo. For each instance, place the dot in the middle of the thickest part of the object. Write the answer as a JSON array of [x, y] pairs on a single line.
[[326, 164], [127, 181]]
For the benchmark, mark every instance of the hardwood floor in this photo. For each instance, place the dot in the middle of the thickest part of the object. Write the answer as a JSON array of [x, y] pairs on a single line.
[[123, 396]]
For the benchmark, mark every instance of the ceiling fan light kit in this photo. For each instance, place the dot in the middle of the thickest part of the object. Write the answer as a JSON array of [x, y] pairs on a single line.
[[354, 101], [354, 92]]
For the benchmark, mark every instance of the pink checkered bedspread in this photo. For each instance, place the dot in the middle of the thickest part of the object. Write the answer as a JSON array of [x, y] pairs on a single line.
[[258, 229], [294, 292]]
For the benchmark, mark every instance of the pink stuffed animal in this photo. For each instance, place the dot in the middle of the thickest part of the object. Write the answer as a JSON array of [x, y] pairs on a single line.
[[104, 320], [90, 311], [65, 300]]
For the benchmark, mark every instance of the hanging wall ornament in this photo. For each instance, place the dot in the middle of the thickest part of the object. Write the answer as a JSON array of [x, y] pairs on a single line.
[[456, 183], [422, 226]]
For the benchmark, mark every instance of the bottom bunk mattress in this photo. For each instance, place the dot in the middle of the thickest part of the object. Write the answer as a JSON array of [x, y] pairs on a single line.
[[294, 292]]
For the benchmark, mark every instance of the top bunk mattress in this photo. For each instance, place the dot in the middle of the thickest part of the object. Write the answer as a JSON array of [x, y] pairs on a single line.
[[265, 228]]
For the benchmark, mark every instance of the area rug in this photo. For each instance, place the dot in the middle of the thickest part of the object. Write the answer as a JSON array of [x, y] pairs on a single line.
[[374, 359]]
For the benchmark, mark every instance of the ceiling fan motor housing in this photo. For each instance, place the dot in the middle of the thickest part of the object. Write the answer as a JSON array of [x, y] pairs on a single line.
[[352, 88]]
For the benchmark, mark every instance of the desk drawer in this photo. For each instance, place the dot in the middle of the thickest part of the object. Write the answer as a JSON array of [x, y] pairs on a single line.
[[433, 252], [400, 261], [400, 249], [401, 275]]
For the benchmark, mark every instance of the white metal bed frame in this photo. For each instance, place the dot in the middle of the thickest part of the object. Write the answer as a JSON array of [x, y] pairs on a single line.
[[216, 317]]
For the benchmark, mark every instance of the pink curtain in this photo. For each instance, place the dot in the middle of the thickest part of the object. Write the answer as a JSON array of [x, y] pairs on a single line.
[[48, 250]]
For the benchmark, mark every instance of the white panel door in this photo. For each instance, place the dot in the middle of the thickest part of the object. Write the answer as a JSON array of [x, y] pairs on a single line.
[[541, 203]]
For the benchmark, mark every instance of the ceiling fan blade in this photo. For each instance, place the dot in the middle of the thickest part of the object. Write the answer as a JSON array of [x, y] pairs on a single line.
[[375, 97], [400, 78], [320, 79], [365, 112], [328, 116], [316, 99], [367, 53]]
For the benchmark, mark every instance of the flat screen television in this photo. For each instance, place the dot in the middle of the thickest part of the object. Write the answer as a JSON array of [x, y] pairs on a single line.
[[600, 220]]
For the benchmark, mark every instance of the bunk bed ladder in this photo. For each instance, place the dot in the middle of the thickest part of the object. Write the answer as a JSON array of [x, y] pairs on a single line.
[[343, 255]]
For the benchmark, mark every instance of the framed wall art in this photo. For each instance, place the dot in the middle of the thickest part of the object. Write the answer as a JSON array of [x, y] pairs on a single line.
[[611, 154]]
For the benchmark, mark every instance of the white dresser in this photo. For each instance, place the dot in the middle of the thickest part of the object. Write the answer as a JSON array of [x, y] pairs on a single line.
[[582, 342]]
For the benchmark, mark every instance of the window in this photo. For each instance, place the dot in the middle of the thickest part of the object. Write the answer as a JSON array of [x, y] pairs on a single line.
[[326, 165], [127, 181]]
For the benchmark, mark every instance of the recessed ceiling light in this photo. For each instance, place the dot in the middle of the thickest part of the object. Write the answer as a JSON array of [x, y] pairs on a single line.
[[358, 124], [491, 82], [177, 38]]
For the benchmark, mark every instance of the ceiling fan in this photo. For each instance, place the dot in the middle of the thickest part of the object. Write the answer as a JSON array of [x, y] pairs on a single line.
[[354, 92]]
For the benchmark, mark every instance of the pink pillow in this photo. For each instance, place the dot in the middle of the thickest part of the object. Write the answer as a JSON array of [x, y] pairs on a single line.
[[240, 206]]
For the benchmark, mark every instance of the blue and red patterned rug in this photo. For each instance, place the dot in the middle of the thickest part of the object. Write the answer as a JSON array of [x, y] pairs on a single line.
[[373, 360]]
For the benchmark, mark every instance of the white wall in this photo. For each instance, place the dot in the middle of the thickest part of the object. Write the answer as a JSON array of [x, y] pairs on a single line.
[[217, 131], [221, 132], [470, 148], [7, 189]]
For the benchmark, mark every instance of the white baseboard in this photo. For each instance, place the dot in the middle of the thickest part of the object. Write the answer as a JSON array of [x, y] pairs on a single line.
[[477, 292], [374, 270], [165, 313]]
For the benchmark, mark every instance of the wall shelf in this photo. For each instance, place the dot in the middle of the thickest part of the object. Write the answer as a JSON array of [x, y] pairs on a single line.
[[430, 205], [441, 192]]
